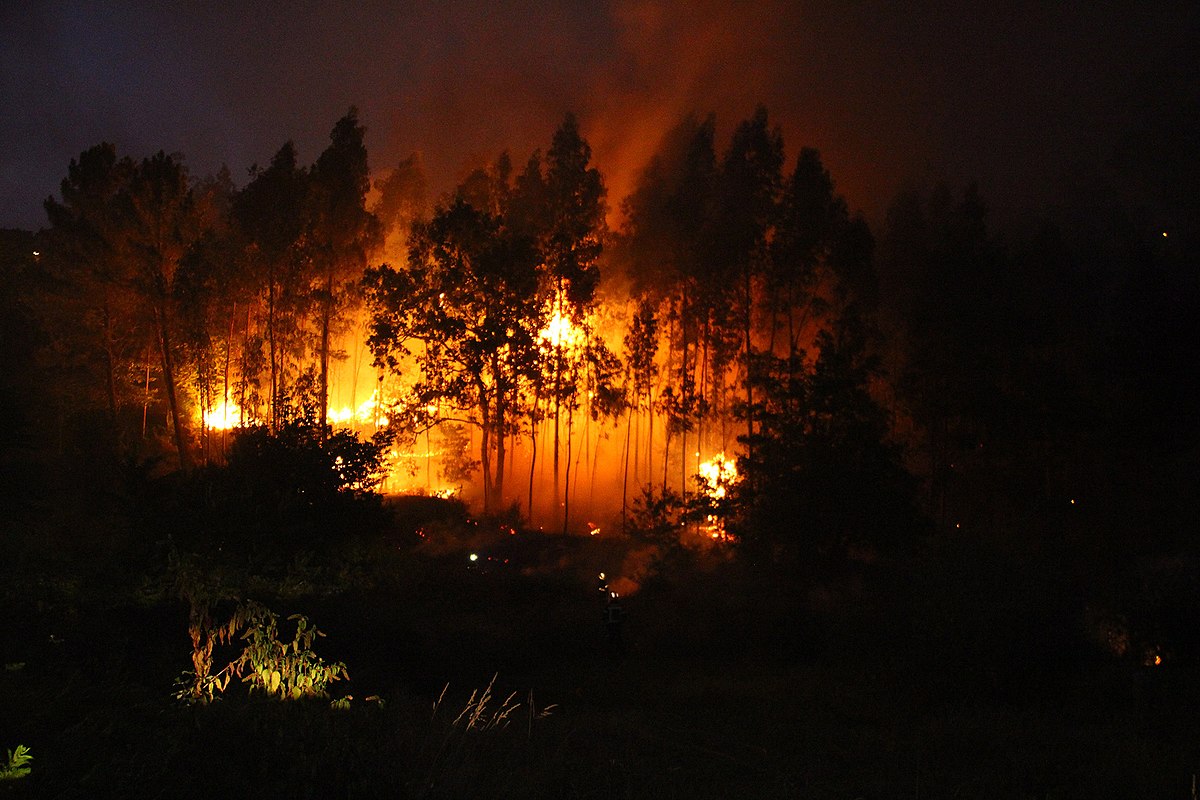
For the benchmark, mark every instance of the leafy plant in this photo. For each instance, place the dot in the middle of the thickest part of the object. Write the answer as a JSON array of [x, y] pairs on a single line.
[[288, 670], [17, 765], [201, 589]]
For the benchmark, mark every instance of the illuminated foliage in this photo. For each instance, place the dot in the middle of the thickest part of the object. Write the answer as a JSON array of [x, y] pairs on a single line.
[[284, 670], [469, 297], [17, 764], [300, 465]]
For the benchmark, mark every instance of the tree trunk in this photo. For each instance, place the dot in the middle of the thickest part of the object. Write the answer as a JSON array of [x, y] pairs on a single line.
[[625, 471], [747, 288], [557, 409], [485, 443], [533, 435], [225, 388], [323, 389], [498, 424], [109, 362], [164, 339], [273, 401], [244, 379], [146, 393], [567, 494]]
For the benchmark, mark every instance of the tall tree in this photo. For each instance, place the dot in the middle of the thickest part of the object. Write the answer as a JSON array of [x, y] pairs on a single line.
[[403, 196], [163, 225], [811, 216], [87, 227], [342, 232], [953, 294], [571, 241], [211, 287], [749, 184], [667, 245], [641, 347], [469, 295], [270, 213]]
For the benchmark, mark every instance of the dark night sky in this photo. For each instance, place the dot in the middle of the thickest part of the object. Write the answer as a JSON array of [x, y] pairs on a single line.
[[1013, 94]]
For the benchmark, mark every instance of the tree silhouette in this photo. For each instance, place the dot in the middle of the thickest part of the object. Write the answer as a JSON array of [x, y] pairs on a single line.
[[162, 226], [341, 234], [95, 281], [270, 216], [469, 296]]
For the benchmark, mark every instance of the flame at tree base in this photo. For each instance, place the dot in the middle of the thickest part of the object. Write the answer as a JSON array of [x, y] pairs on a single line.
[[715, 477]]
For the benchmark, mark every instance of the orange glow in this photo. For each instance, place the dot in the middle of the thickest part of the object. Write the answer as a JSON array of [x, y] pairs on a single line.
[[369, 412], [227, 416], [716, 476], [561, 332]]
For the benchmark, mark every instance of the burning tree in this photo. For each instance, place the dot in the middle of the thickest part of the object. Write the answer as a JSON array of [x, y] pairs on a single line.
[[565, 211], [493, 319], [492, 308], [341, 233], [469, 298]]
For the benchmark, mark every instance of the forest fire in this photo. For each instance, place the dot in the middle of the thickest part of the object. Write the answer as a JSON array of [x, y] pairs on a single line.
[[716, 476], [368, 412], [495, 359], [227, 416], [780, 486], [560, 332]]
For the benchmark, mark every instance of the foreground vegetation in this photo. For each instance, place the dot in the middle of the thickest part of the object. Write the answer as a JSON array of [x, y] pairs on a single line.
[[953, 671]]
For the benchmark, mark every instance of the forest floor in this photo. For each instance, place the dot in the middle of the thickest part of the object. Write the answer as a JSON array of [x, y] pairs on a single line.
[[861, 686]]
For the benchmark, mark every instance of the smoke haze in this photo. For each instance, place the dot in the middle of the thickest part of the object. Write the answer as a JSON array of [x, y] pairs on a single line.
[[1012, 95]]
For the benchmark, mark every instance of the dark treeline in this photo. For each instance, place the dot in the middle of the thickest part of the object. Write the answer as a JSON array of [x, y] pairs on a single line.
[[931, 375]]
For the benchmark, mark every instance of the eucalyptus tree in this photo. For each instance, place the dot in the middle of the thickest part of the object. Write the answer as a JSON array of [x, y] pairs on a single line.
[[749, 188], [559, 202], [212, 290], [340, 236], [270, 215], [162, 225], [668, 245], [640, 348], [810, 218], [402, 201]]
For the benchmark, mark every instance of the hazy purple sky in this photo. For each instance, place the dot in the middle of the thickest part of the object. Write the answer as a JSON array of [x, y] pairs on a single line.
[[1010, 94]]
